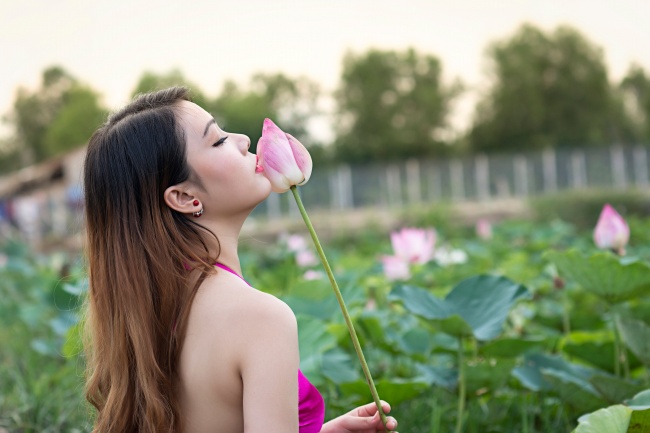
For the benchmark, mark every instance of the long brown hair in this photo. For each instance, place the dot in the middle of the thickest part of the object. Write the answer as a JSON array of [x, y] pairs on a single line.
[[138, 252]]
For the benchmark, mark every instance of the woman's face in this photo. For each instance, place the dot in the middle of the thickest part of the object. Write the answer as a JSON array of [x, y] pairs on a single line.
[[221, 162]]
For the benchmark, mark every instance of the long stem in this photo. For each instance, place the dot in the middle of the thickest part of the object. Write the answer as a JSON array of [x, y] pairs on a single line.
[[524, 413], [461, 386], [617, 346], [339, 297], [622, 350], [436, 415]]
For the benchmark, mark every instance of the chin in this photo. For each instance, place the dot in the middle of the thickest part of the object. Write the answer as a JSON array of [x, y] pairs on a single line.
[[262, 193], [265, 195], [266, 189]]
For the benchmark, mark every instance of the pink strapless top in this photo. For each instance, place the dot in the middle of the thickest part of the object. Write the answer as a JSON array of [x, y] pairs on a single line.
[[311, 408]]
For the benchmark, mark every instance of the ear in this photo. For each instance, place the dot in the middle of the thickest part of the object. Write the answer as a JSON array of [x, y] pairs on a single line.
[[180, 199]]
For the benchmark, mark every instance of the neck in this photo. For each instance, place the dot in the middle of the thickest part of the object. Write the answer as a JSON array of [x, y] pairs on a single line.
[[227, 231]]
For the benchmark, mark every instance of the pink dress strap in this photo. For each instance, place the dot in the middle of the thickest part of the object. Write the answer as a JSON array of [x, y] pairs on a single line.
[[311, 407]]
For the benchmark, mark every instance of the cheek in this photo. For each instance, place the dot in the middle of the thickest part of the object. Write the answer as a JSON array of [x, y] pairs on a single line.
[[213, 173]]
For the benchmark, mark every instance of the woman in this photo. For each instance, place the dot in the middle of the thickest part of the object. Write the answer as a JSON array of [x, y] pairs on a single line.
[[177, 341]]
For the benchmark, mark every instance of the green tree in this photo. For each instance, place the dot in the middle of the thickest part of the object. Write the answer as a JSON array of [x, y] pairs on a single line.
[[60, 115], [548, 89], [391, 105], [636, 92], [77, 119], [151, 81], [290, 102]]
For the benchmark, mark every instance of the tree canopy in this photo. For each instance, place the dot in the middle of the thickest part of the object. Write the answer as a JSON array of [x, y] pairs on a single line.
[[636, 93], [152, 81], [391, 105], [548, 89], [59, 116]]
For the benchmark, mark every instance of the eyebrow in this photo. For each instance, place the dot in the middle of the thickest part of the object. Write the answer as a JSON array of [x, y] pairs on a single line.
[[208, 127]]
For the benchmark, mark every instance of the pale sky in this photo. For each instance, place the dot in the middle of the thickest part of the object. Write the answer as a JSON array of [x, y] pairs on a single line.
[[109, 44]]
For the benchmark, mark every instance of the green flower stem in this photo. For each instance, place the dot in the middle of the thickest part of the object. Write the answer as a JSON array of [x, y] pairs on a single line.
[[436, 414], [622, 350], [617, 347], [461, 386], [524, 413], [346, 315]]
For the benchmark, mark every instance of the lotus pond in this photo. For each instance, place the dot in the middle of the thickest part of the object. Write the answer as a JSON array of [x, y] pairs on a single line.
[[525, 328]]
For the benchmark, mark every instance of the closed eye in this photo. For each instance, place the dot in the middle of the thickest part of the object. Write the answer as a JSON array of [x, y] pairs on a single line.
[[221, 141]]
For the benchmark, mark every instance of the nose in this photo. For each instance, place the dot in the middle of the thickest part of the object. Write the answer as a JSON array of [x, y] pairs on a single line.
[[245, 143]]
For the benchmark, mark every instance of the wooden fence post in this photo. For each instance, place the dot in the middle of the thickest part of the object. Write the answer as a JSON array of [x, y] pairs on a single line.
[[457, 180], [482, 171], [521, 175], [549, 169], [578, 169], [413, 181], [618, 166], [641, 166]]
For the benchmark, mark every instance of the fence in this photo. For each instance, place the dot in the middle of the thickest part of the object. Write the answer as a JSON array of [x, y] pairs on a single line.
[[473, 178], [45, 200]]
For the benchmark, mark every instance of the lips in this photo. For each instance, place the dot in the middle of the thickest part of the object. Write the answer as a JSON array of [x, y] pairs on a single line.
[[258, 167]]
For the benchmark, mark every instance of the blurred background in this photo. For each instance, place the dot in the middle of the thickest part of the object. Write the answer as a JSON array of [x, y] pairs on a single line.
[[499, 128], [401, 105]]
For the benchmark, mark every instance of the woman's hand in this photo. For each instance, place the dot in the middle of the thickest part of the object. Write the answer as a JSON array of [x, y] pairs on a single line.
[[364, 419]]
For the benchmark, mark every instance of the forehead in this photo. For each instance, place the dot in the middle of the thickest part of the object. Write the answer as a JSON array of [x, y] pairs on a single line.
[[193, 119]]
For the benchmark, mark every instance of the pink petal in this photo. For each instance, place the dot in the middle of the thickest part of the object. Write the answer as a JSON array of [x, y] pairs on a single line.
[[395, 268], [306, 258], [484, 229], [414, 245], [313, 275], [302, 158], [296, 243]]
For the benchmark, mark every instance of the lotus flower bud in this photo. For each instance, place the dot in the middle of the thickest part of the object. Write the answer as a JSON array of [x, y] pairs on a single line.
[[283, 159], [611, 232]]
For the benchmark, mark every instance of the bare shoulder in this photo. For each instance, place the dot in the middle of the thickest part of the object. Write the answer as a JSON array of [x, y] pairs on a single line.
[[226, 298]]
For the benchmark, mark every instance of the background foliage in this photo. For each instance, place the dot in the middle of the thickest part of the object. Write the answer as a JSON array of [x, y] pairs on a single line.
[[543, 356]]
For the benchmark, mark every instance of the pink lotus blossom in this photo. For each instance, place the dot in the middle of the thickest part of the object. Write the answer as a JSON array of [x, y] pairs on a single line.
[[611, 232], [296, 243], [484, 229], [414, 245], [313, 275], [395, 268], [306, 258], [283, 159]]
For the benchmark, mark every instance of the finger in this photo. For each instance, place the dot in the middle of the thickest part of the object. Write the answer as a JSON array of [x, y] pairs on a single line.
[[360, 423], [371, 409], [391, 424]]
